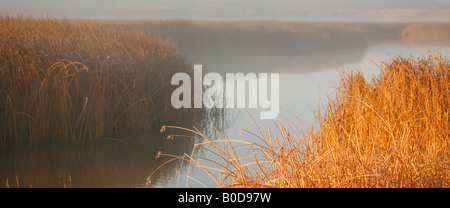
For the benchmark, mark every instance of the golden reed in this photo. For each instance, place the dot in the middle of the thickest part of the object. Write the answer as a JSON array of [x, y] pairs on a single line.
[[392, 131], [72, 80]]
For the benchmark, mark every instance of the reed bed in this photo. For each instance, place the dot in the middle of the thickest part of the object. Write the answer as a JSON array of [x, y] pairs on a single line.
[[391, 131], [71, 80]]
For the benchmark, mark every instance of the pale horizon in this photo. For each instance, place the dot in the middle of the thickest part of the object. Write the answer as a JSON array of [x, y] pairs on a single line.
[[302, 10]]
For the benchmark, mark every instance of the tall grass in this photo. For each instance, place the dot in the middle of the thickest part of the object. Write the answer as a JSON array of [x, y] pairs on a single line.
[[392, 131], [72, 80]]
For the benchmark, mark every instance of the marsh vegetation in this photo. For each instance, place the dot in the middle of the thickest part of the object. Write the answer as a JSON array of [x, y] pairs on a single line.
[[82, 103], [68, 81], [391, 131]]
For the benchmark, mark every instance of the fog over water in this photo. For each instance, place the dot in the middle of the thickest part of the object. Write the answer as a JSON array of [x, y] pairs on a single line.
[[308, 54]]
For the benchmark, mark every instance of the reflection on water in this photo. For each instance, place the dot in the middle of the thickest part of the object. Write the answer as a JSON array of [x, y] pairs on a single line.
[[306, 78], [104, 163], [292, 63], [302, 95]]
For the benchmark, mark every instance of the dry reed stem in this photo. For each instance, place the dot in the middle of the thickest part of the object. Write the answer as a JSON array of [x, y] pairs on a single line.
[[391, 132], [69, 81]]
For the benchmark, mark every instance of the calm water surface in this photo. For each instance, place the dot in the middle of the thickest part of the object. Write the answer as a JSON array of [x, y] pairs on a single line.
[[305, 83], [303, 91]]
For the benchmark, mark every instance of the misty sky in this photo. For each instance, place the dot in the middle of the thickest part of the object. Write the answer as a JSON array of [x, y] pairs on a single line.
[[317, 10]]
